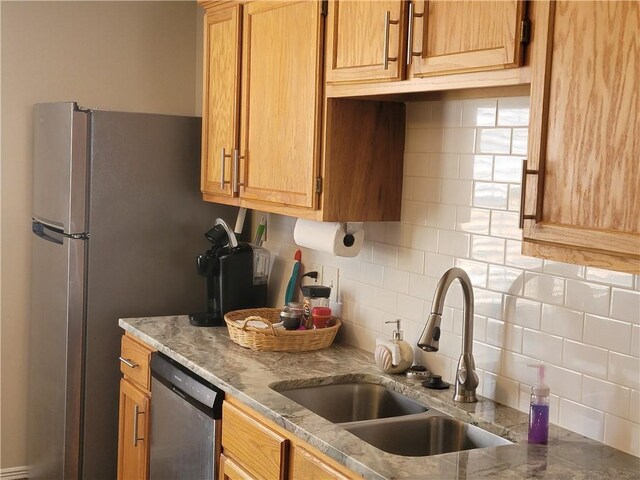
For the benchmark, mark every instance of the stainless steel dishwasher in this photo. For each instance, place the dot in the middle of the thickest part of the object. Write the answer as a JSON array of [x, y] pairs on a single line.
[[185, 427]]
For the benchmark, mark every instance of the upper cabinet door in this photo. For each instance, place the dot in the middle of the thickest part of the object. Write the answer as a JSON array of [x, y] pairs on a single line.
[[583, 138], [281, 102], [365, 41], [464, 36], [221, 97]]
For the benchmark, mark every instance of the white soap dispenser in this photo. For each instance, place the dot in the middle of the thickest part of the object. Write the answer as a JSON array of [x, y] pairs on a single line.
[[393, 356]]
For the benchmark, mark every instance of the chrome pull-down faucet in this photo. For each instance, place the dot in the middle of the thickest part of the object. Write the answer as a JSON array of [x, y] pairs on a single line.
[[466, 380]]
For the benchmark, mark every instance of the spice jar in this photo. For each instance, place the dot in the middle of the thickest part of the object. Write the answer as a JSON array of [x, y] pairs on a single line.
[[290, 319]]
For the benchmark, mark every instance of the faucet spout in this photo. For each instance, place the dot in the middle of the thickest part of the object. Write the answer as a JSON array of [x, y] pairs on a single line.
[[466, 378]]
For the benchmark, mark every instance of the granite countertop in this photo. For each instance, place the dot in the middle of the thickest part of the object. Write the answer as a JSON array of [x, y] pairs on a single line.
[[247, 376]]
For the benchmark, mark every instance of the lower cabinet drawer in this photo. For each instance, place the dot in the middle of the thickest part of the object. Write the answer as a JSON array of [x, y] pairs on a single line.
[[134, 362], [253, 446]]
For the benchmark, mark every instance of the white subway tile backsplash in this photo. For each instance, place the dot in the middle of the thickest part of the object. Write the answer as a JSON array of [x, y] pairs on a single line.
[[453, 243], [586, 359], [411, 260], [584, 420], [622, 434], [426, 140], [522, 311], [459, 140], [624, 370], [490, 195], [542, 346], [487, 249], [519, 139], [514, 258], [547, 288], [493, 140], [479, 113], [507, 280], [584, 323], [605, 396], [473, 220], [507, 169], [607, 276], [625, 305], [562, 322], [443, 165], [505, 225], [427, 189], [513, 112], [457, 192], [589, 297], [607, 333], [477, 271]]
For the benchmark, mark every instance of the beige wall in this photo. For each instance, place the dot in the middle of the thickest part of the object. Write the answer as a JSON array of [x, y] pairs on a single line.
[[133, 56]]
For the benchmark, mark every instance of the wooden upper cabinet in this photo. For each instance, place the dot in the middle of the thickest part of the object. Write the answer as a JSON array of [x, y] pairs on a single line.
[[465, 36], [281, 102], [584, 138], [221, 97], [365, 41]]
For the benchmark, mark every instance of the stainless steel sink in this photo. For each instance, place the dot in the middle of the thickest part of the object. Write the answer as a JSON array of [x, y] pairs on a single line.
[[352, 402], [418, 437]]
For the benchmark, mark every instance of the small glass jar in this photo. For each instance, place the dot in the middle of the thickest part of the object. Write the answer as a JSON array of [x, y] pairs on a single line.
[[290, 319], [321, 316]]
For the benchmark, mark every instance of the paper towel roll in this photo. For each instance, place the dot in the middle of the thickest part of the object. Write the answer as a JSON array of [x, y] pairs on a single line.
[[340, 239]]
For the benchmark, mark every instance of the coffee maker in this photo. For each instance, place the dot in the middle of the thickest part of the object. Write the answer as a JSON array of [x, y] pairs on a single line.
[[236, 273]]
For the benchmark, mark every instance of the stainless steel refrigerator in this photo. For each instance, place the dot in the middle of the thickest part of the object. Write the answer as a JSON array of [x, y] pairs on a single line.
[[118, 222]]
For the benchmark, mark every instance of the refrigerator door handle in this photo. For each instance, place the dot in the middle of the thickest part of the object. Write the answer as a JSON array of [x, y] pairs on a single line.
[[54, 234]]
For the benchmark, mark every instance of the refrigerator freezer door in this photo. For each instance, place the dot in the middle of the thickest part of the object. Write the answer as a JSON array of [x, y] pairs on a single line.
[[60, 166]]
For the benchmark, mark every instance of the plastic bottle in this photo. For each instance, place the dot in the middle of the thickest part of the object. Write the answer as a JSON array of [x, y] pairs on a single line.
[[539, 409]]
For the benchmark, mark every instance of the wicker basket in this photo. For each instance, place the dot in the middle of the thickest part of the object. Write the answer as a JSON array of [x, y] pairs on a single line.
[[275, 339]]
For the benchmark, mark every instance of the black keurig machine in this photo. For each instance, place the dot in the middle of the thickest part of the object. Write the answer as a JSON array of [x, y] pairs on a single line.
[[236, 273]]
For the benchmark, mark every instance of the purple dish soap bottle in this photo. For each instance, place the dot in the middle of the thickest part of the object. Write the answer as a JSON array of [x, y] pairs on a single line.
[[539, 409]]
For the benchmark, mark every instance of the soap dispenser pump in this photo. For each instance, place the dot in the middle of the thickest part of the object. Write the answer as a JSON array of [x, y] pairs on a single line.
[[539, 409], [395, 355]]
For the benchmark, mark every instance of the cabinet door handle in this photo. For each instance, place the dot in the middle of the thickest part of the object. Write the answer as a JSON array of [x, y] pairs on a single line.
[[412, 16], [128, 362], [387, 23], [523, 194], [136, 412], [223, 158], [236, 171]]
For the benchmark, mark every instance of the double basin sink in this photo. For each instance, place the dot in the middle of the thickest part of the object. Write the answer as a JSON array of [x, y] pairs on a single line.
[[388, 420]]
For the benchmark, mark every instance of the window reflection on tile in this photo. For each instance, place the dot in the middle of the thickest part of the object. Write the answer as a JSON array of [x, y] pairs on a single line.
[[514, 198], [563, 269], [487, 249], [490, 195], [546, 288], [522, 311], [519, 141], [459, 140], [493, 140], [505, 225], [477, 271], [610, 277], [513, 112], [507, 169], [515, 258], [488, 303], [588, 297], [473, 220], [482, 167], [454, 243], [507, 280], [480, 113]]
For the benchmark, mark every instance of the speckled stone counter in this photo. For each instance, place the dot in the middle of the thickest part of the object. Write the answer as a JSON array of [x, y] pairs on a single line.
[[247, 376]]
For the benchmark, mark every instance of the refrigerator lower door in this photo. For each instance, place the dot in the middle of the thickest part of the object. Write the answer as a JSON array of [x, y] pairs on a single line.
[[55, 357]]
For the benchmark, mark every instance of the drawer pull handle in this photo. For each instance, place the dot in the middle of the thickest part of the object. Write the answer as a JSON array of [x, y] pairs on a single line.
[[523, 194], [136, 412], [236, 171], [387, 22], [128, 362]]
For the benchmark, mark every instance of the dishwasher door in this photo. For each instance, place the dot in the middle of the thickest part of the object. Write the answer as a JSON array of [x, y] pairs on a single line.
[[185, 433]]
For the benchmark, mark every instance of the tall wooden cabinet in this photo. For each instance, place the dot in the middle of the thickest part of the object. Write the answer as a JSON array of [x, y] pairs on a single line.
[[582, 202], [271, 141], [380, 41], [135, 401]]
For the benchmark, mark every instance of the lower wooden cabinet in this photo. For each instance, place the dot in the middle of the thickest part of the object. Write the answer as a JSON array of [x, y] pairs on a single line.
[[253, 447], [135, 402], [133, 433]]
